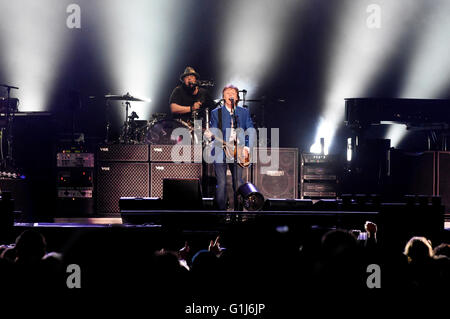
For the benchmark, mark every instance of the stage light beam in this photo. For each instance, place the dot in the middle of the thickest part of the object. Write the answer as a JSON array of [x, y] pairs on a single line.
[[358, 54], [429, 73], [139, 41], [252, 35], [33, 46]]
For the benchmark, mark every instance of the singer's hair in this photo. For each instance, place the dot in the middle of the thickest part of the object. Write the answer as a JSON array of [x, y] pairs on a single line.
[[231, 86]]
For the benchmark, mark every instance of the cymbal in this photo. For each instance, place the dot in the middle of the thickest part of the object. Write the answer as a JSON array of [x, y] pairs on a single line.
[[126, 97]]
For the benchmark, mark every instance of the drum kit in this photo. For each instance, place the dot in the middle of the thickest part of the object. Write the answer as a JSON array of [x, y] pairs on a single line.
[[158, 130]]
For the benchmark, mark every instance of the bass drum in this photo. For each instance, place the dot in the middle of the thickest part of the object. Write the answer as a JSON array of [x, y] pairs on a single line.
[[160, 132]]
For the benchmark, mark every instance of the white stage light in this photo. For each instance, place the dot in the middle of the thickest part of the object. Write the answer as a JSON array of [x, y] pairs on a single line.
[[395, 133], [253, 33], [429, 73], [326, 132], [359, 53], [139, 38], [34, 43]]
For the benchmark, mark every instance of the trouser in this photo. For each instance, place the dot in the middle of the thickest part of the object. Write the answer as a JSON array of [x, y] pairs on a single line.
[[221, 187]]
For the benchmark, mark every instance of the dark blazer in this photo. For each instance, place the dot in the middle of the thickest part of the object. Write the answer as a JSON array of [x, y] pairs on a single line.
[[247, 136]]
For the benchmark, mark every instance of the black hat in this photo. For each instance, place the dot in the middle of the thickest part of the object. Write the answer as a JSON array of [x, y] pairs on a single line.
[[189, 71]]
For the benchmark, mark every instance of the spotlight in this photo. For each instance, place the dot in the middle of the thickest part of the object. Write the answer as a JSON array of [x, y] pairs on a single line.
[[324, 135], [251, 198], [395, 133]]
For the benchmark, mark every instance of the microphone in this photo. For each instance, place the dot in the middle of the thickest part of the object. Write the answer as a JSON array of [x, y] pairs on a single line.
[[232, 104]]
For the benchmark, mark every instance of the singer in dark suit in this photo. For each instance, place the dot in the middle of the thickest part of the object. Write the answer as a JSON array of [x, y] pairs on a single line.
[[228, 123]]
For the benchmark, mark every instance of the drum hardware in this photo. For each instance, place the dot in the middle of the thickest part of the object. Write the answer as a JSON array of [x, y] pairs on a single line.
[[160, 132], [133, 116], [126, 97], [125, 135], [137, 131], [158, 117], [13, 104], [124, 138], [73, 104]]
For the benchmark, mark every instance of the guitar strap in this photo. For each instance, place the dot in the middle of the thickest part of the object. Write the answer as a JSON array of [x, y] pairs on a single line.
[[219, 113]]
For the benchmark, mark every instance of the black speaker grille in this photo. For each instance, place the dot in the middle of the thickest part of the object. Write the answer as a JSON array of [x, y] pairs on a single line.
[[160, 171], [186, 153], [281, 182], [123, 153], [412, 173], [117, 180], [444, 179]]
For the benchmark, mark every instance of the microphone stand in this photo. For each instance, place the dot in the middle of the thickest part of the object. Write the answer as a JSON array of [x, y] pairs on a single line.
[[235, 161]]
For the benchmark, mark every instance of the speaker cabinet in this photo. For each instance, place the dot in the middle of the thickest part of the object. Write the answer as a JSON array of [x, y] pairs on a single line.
[[161, 171], [20, 191], [276, 181], [122, 153], [182, 194], [443, 179], [176, 153], [412, 173], [116, 180], [426, 173]]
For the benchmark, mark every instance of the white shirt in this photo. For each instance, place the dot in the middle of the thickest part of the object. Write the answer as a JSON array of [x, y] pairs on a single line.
[[233, 129]]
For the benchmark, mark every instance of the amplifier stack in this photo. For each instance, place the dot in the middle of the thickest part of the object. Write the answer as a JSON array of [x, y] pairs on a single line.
[[139, 170], [173, 162], [75, 182], [318, 176], [122, 171]]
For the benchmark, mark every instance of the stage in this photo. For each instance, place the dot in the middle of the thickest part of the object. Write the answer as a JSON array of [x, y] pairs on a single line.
[[395, 221]]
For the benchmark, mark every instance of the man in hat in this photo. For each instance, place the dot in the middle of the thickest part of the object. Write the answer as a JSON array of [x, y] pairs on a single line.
[[188, 96]]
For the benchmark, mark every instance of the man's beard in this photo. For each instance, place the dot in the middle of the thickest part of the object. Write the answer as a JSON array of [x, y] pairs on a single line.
[[190, 87]]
